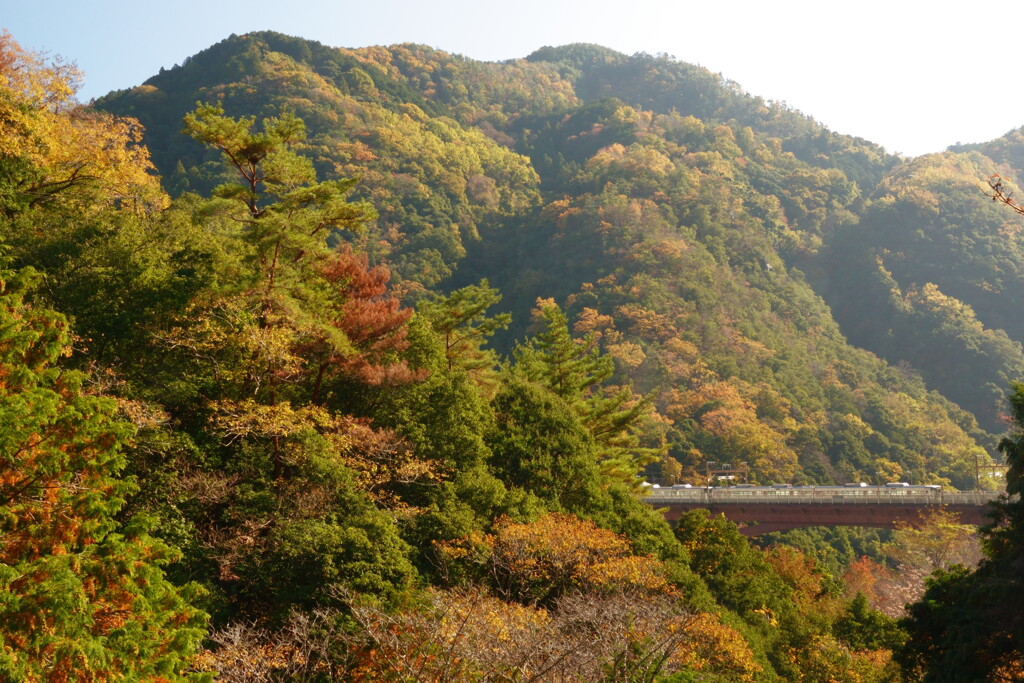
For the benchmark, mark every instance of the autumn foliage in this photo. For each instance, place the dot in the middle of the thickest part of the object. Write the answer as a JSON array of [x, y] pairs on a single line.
[[308, 395], [78, 599], [559, 599], [538, 562], [372, 321], [66, 150]]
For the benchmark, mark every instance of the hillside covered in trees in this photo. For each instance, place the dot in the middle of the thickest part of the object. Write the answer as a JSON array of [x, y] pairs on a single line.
[[358, 359], [720, 248]]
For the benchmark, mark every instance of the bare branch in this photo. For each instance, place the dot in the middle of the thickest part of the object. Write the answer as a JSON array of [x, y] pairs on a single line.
[[999, 194]]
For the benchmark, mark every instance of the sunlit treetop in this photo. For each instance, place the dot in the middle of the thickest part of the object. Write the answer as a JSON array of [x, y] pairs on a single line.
[[52, 147]]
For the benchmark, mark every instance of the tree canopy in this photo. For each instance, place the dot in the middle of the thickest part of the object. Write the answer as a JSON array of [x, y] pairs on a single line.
[[373, 371]]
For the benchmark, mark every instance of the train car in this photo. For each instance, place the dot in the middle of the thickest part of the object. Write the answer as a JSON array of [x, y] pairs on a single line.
[[783, 491]]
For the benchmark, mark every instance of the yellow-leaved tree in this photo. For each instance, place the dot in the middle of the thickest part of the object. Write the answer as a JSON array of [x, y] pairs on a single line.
[[53, 147]]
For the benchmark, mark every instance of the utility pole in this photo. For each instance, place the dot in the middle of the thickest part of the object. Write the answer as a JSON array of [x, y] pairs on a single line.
[[726, 470]]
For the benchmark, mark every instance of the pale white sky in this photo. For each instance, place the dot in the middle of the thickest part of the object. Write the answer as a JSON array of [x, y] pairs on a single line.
[[911, 75]]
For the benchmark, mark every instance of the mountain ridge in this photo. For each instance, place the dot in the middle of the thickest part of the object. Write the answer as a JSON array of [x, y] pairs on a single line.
[[650, 183]]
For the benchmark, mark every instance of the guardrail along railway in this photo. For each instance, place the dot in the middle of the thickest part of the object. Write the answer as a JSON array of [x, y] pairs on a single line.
[[762, 509]]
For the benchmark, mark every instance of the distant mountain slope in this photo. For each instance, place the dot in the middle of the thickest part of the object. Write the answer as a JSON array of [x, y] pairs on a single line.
[[675, 216], [432, 180], [933, 277]]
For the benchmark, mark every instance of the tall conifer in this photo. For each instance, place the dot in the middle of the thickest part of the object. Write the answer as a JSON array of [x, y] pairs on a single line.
[[77, 600]]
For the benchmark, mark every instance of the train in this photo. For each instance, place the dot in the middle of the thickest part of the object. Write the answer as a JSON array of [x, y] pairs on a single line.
[[782, 491]]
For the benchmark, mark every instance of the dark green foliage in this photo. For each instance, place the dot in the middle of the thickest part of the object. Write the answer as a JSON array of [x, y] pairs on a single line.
[[117, 274], [951, 632], [865, 629], [539, 444], [460, 321], [968, 626], [737, 573], [568, 368], [574, 370], [445, 417], [311, 561]]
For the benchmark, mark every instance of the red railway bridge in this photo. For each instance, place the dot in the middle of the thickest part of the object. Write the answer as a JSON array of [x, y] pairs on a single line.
[[760, 510]]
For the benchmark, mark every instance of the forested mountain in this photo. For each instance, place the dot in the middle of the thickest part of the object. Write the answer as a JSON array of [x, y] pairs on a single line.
[[701, 235], [362, 356]]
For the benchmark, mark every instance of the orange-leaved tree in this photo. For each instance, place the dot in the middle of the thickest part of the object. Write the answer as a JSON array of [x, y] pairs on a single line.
[[538, 562]]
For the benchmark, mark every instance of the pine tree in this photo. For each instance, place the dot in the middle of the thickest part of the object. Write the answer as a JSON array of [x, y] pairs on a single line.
[[289, 214], [460, 320], [290, 301], [575, 370], [283, 354]]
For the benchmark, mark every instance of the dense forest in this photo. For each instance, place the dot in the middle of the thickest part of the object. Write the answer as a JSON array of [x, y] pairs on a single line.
[[332, 364]]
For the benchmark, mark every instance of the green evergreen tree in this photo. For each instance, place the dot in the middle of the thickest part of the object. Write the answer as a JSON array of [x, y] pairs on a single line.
[[290, 215], [575, 370], [79, 599], [569, 367], [461, 321], [539, 445]]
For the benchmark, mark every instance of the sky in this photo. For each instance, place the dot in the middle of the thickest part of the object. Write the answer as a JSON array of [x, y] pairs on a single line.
[[910, 75]]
